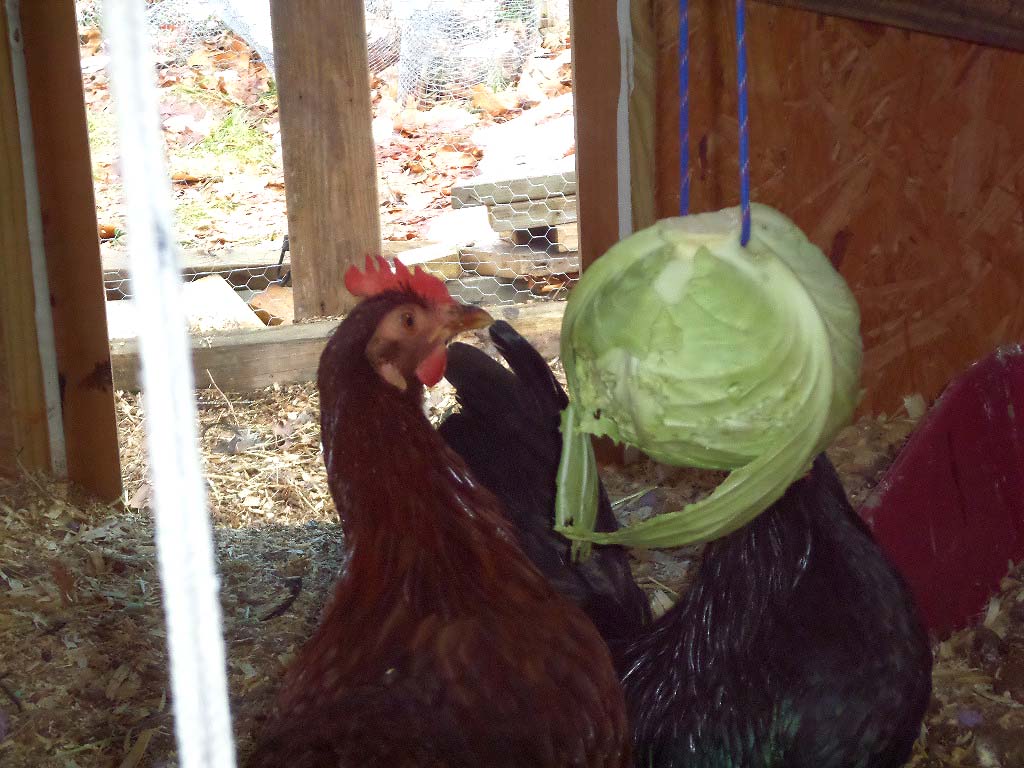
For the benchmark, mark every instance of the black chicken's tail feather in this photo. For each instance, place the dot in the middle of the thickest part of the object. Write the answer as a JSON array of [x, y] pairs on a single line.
[[507, 431], [530, 367]]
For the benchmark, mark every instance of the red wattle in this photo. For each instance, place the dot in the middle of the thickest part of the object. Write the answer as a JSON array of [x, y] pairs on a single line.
[[432, 368]]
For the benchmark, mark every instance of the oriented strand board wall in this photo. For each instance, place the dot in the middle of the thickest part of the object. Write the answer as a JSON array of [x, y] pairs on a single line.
[[900, 153]]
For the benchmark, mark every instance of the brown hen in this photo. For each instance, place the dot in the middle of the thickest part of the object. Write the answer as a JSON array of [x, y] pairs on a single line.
[[443, 645]]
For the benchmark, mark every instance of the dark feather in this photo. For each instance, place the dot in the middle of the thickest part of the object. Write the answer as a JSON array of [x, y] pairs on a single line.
[[443, 646], [508, 433], [798, 645]]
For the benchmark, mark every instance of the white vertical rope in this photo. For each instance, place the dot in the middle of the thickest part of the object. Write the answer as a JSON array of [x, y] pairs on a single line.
[[622, 147], [37, 251], [183, 532]]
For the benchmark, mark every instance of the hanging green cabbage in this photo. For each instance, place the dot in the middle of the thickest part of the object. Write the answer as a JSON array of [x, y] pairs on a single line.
[[703, 353]]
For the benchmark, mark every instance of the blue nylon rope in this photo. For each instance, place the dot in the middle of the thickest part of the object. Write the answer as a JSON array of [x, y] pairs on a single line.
[[741, 76], [684, 110]]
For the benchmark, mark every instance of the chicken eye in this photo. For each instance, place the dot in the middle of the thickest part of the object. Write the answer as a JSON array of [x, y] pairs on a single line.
[[408, 321]]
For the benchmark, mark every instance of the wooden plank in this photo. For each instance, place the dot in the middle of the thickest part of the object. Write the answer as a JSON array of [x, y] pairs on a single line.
[[595, 63], [511, 261], [24, 440], [438, 259], [329, 158], [997, 23], [72, 249], [244, 361], [209, 304], [551, 212], [666, 108], [596, 74], [196, 261], [240, 361], [642, 112], [492, 190]]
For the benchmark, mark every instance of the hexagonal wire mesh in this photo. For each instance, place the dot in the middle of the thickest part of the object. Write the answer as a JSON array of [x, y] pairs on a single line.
[[508, 215]]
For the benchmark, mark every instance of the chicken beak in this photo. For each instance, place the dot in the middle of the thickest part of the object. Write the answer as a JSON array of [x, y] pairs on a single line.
[[457, 318], [468, 318]]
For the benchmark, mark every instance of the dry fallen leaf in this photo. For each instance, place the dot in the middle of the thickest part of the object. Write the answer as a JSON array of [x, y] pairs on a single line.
[[92, 41], [452, 157], [187, 177], [493, 103]]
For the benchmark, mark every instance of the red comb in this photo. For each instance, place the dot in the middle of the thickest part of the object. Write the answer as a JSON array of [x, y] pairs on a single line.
[[378, 277]]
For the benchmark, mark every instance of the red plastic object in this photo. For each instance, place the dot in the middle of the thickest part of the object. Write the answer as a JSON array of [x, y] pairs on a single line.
[[950, 510]]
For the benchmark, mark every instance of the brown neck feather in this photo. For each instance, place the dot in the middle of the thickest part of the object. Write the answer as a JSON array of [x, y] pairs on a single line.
[[414, 517]]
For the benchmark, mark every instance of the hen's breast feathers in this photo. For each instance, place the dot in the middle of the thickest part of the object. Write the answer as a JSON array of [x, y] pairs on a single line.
[[443, 645]]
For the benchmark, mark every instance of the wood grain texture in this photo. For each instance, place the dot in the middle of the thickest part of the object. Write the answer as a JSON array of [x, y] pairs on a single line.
[[552, 212], [329, 161], [24, 437], [643, 104], [595, 65], [991, 22], [243, 361], [72, 249], [502, 188], [900, 154]]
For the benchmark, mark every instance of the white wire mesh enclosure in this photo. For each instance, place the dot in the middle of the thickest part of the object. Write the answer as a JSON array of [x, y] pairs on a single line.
[[473, 127]]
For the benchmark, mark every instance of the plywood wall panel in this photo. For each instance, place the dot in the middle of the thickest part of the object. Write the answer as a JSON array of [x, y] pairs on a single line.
[[900, 153]]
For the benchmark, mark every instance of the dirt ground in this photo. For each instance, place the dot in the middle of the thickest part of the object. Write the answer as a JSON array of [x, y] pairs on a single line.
[[83, 675]]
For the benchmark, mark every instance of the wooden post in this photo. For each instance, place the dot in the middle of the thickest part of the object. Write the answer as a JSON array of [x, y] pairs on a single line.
[[643, 106], [72, 245], [24, 440], [595, 77], [597, 74], [611, 206], [329, 160]]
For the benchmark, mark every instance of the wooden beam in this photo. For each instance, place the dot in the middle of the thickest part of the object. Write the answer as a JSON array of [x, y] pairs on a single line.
[[240, 361], [643, 104], [244, 361], [24, 439], [998, 23], [72, 248], [596, 76], [595, 73], [503, 188], [329, 159], [550, 212], [510, 261]]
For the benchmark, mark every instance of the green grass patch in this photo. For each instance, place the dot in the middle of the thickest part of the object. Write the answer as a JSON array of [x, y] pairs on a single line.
[[240, 136]]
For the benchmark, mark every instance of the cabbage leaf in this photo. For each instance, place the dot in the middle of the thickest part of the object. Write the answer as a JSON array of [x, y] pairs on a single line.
[[703, 353]]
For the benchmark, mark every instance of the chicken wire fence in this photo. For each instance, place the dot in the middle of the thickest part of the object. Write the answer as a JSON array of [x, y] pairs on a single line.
[[519, 207]]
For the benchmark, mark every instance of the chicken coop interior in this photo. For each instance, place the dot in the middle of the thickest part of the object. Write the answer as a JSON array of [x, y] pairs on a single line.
[[501, 148]]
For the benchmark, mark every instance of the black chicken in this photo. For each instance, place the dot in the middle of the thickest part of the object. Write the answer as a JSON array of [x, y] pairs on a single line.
[[508, 433], [798, 645]]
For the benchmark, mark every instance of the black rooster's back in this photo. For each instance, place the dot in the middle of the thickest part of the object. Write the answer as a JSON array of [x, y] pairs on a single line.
[[798, 646], [507, 431]]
